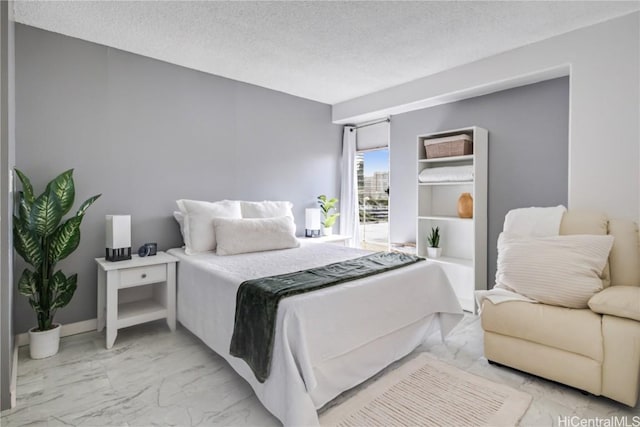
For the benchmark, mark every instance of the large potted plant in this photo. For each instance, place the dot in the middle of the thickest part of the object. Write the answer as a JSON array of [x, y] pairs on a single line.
[[328, 219], [42, 238]]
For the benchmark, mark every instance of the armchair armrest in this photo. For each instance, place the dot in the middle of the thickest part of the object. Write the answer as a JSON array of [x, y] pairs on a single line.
[[619, 301]]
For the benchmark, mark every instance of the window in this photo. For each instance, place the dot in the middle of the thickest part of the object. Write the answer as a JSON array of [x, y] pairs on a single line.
[[373, 198]]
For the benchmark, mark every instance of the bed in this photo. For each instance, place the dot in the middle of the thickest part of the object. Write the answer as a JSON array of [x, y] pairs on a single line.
[[326, 341]]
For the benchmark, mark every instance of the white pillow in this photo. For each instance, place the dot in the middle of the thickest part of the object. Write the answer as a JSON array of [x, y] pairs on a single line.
[[534, 222], [266, 209], [177, 215], [236, 236], [198, 232], [558, 270]]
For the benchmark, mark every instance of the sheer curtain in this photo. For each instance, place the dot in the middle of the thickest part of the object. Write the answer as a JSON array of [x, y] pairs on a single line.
[[349, 218]]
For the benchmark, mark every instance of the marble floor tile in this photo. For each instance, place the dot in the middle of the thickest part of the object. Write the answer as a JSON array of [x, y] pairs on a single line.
[[153, 377]]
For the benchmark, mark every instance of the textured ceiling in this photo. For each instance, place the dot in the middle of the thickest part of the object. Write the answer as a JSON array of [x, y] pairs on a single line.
[[325, 51]]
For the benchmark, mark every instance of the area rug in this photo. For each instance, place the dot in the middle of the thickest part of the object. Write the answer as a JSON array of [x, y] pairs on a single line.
[[426, 392]]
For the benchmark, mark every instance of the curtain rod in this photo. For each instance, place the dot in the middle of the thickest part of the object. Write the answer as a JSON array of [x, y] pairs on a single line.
[[388, 119]]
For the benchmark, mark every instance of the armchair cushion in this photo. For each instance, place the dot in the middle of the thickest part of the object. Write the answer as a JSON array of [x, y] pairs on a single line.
[[585, 222], [625, 268], [619, 301], [557, 327]]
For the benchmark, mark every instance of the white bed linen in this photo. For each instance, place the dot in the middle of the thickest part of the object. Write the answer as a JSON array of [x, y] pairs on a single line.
[[447, 173], [326, 341], [498, 296]]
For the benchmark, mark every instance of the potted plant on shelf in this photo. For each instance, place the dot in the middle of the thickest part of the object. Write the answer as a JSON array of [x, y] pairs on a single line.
[[434, 250], [42, 239], [328, 218]]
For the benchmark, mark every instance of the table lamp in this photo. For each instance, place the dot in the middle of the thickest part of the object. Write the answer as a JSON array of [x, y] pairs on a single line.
[[312, 222], [118, 242]]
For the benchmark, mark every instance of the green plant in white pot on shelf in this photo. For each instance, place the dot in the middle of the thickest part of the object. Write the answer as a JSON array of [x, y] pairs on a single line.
[[328, 218], [42, 238], [433, 249]]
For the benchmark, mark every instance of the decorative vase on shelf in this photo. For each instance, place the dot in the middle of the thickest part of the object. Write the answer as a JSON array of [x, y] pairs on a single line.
[[465, 206], [434, 252], [327, 231]]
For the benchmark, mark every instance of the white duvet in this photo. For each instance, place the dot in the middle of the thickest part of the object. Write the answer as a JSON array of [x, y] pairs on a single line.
[[326, 341]]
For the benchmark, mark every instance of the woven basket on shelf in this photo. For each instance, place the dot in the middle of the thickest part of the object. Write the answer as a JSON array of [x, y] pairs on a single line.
[[456, 145]]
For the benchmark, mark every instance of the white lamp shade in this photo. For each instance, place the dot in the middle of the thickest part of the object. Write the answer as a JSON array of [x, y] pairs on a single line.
[[312, 219], [118, 231]]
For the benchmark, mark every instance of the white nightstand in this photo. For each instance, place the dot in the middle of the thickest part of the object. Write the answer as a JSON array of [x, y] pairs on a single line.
[[136, 291], [338, 239]]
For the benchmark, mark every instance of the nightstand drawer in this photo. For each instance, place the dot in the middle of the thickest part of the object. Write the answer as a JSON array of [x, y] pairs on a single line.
[[141, 275]]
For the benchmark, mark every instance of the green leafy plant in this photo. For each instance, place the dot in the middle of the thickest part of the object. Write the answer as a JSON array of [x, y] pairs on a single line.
[[326, 206], [434, 237], [42, 239]]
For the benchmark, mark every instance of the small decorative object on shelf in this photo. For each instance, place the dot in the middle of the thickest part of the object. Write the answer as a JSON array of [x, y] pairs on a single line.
[[434, 250], [465, 206], [328, 218], [312, 222], [118, 237]]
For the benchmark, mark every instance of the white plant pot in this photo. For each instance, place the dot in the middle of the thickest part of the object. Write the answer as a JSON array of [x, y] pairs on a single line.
[[434, 252], [327, 231], [44, 343]]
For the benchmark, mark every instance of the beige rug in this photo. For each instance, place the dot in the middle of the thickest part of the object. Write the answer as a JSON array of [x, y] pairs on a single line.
[[426, 392]]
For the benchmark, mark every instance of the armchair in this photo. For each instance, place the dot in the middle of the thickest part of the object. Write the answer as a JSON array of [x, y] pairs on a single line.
[[596, 349]]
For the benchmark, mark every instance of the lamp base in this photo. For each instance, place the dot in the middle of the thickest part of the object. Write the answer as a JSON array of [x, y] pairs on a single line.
[[120, 254], [311, 233]]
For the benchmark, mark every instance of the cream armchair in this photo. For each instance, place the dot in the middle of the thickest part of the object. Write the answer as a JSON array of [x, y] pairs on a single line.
[[595, 349]]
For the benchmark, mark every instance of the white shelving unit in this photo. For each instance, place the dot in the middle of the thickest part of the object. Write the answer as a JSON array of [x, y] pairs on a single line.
[[463, 240]]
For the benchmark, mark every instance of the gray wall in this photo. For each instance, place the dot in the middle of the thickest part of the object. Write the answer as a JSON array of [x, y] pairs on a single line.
[[145, 133], [528, 153], [7, 158]]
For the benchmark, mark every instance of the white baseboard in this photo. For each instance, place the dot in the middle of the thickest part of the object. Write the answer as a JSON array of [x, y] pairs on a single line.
[[70, 329]]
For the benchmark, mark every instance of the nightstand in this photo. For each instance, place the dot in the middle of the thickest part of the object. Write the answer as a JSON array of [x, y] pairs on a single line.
[[338, 239], [135, 291]]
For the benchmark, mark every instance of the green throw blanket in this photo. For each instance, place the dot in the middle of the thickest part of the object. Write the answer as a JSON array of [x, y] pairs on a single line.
[[257, 301]]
